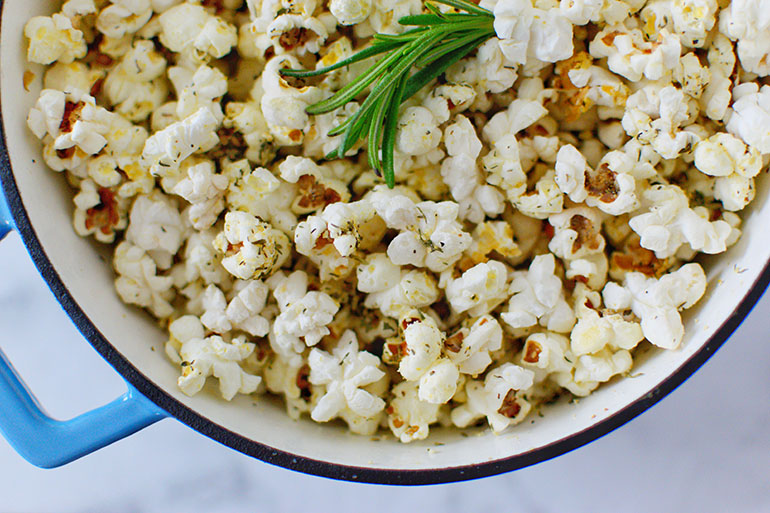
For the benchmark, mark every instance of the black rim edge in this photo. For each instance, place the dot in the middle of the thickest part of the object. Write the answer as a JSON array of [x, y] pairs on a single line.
[[333, 470]]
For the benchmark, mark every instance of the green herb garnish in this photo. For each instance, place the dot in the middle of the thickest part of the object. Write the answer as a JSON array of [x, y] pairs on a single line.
[[438, 40]]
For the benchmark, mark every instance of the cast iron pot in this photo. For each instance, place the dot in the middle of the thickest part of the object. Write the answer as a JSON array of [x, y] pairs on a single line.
[[38, 204]]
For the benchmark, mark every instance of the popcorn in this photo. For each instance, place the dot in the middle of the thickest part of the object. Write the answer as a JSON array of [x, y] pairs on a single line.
[[181, 330], [303, 318], [448, 99], [246, 120], [123, 17], [497, 398], [691, 75], [734, 191], [350, 12], [167, 148], [138, 282], [503, 163], [259, 193], [576, 233], [476, 199], [548, 352], [241, 313], [418, 352], [103, 170], [310, 240], [746, 21], [246, 308], [544, 200], [586, 85], [423, 342], [537, 296], [657, 301], [115, 48], [630, 256], [315, 188], [99, 211], [283, 105], [418, 133], [596, 330], [670, 106], [734, 164], [213, 356], [135, 86], [469, 347], [346, 373], [163, 116], [631, 56], [693, 20], [392, 290], [591, 370], [200, 261], [611, 134], [201, 89], [529, 32], [479, 290], [669, 222], [75, 8], [488, 238], [190, 28], [252, 248], [291, 381], [591, 270], [342, 223], [430, 234], [160, 6], [331, 237], [580, 12], [520, 114], [156, 227], [294, 33], [611, 187], [72, 159], [488, 71], [439, 383], [53, 39], [716, 96], [751, 115], [378, 273], [72, 120], [205, 191], [74, 75], [386, 13], [409, 418]]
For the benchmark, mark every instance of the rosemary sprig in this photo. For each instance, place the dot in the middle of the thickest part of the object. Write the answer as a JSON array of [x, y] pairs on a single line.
[[437, 41]]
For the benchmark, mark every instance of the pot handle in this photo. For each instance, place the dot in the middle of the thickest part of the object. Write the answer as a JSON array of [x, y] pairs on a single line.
[[47, 442], [6, 221]]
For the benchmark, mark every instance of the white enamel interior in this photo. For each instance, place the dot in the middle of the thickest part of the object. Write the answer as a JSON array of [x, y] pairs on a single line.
[[88, 278]]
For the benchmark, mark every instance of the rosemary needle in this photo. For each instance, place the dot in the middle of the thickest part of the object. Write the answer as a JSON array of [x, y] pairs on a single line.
[[437, 41]]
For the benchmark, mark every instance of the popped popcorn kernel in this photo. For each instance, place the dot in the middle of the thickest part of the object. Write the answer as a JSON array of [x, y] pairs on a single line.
[[252, 249], [53, 39]]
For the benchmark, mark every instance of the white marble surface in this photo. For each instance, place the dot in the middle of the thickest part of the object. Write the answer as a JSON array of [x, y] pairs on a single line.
[[705, 448]]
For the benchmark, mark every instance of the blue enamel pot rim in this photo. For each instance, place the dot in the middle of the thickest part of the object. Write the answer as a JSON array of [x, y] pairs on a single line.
[[332, 470]]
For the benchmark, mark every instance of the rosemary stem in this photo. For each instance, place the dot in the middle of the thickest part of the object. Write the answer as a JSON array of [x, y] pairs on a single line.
[[359, 56], [438, 40], [354, 88], [389, 135]]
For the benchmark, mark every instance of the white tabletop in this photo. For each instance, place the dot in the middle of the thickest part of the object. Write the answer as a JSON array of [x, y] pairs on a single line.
[[704, 448]]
